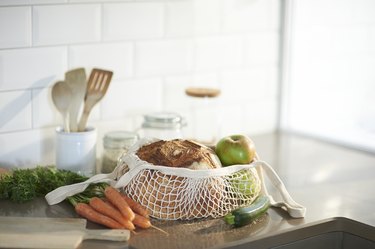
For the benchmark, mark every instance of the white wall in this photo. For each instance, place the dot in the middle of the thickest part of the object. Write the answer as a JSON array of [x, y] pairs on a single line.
[[329, 86], [155, 48]]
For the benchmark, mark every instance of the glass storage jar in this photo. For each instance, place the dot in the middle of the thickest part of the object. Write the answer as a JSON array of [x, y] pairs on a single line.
[[163, 125], [205, 114], [115, 144]]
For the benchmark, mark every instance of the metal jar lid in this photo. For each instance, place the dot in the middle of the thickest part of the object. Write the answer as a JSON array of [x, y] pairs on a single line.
[[163, 120]]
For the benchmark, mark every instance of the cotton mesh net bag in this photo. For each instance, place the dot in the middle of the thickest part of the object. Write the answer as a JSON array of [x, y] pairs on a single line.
[[183, 193]]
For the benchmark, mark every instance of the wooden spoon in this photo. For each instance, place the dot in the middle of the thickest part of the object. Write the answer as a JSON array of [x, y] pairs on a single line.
[[62, 97], [76, 79], [96, 88]]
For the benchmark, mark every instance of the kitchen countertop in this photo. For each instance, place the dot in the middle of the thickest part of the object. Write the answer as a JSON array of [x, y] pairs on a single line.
[[329, 180]]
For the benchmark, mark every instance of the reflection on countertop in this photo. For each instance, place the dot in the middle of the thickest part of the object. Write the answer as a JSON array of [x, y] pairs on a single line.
[[330, 180]]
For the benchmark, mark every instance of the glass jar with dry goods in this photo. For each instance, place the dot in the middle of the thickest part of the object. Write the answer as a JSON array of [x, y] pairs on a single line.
[[163, 125], [115, 144]]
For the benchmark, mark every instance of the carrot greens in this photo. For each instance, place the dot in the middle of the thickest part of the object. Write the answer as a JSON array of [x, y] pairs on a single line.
[[21, 185]]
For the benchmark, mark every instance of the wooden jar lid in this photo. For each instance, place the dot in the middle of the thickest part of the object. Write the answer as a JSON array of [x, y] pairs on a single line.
[[202, 92]]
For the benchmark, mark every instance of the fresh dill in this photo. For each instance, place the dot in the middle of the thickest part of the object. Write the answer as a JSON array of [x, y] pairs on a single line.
[[21, 185]]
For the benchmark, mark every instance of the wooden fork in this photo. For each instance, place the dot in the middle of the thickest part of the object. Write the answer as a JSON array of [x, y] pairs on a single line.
[[96, 88]]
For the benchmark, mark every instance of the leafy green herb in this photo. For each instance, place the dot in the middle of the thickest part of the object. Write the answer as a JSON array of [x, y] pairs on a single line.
[[26, 184], [93, 190]]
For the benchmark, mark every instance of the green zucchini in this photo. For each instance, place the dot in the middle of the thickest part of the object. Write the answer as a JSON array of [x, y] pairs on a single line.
[[245, 215]]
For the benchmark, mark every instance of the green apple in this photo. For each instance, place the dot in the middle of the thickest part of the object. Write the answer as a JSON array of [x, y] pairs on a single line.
[[245, 182], [235, 149]]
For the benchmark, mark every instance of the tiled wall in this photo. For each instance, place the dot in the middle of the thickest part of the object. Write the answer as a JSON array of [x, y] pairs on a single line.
[[155, 48]]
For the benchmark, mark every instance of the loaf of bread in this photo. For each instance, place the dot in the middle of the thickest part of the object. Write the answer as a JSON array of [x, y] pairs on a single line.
[[175, 197], [179, 153]]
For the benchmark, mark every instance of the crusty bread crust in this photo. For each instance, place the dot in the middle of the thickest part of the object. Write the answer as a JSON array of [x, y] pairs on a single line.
[[179, 153]]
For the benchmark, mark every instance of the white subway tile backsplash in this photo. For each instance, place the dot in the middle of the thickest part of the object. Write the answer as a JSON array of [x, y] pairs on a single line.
[[99, 1], [204, 123], [15, 27], [252, 117], [174, 93], [207, 17], [242, 85], [27, 2], [163, 57], [274, 14], [31, 67], [131, 98], [232, 119], [262, 48], [154, 0], [13, 2], [47, 1], [132, 21], [179, 19], [44, 112], [260, 116], [218, 52], [239, 15], [66, 24], [175, 86], [15, 111], [26, 149], [117, 57], [156, 49], [186, 18]]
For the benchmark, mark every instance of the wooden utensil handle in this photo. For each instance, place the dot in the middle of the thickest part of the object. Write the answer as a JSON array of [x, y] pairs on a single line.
[[66, 122], [73, 115], [107, 234], [83, 121]]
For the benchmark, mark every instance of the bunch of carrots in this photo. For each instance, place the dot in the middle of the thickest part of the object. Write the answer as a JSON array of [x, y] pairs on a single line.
[[105, 205]]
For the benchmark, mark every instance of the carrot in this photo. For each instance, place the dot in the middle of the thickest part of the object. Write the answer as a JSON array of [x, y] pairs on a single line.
[[125, 220], [136, 207], [141, 221], [116, 199], [89, 213], [104, 208]]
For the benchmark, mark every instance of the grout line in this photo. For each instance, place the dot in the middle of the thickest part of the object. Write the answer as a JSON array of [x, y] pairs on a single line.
[[151, 39]]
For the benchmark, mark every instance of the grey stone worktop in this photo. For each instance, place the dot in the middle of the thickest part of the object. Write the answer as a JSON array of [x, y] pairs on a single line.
[[329, 180]]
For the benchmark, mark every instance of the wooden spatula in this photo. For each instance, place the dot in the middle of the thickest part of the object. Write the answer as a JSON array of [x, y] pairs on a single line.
[[96, 88], [28, 232], [76, 79]]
